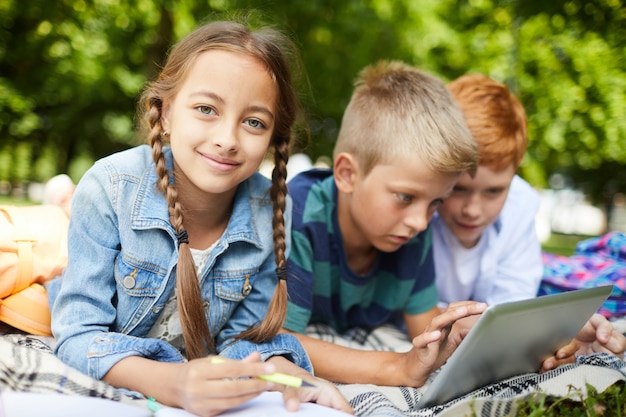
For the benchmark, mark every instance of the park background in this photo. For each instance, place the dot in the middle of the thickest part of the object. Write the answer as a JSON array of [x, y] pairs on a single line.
[[71, 72]]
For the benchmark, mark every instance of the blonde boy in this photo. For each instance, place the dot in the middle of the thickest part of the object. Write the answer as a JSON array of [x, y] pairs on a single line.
[[361, 248]]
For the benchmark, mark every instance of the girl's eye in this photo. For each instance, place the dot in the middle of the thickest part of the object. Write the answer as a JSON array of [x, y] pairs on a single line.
[[255, 123], [205, 109]]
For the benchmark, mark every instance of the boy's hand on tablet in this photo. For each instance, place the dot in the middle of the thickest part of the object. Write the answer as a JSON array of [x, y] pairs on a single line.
[[598, 335], [439, 340], [566, 354]]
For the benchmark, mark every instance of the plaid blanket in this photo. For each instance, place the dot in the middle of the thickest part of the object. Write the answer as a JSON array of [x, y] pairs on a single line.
[[498, 399], [26, 364]]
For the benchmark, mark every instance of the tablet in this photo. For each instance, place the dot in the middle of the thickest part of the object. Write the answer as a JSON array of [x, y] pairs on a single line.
[[511, 339]]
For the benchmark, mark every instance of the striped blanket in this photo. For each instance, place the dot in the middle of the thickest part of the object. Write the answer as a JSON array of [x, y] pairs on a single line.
[[498, 399], [26, 364]]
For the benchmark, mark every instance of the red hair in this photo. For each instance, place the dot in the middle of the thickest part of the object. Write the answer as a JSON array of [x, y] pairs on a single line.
[[495, 117]]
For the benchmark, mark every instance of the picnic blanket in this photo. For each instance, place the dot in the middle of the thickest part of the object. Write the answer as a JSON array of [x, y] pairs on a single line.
[[498, 399], [596, 261], [27, 364]]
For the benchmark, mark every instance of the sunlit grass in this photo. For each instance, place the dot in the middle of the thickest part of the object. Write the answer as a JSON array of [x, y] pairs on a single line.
[[611, 402], [11, 201], [561, 244]]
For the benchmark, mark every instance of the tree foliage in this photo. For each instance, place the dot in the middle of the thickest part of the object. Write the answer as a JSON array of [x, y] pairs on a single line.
[[70, 72]]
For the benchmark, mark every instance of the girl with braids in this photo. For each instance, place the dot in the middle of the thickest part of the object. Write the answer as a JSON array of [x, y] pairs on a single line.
[[177, 249]]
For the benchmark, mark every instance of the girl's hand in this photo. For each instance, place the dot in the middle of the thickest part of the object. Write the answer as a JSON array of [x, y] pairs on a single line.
[[440, 339], [207, 387], [323, 393]]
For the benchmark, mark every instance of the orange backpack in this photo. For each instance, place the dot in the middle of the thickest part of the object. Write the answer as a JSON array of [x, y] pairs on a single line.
[[33, 250]]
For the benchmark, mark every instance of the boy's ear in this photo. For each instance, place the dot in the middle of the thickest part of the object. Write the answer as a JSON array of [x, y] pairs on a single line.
[[345, 170]]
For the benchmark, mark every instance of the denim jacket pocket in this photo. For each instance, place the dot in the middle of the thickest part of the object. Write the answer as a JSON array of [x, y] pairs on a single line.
[[231, 287], [134, 279], [137, 289]]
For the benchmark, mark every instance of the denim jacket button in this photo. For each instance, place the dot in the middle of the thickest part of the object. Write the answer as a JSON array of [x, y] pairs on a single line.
[[129, 282], [247, 288]]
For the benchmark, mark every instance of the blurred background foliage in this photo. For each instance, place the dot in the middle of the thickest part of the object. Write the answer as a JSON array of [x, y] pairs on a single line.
[[71, 71]]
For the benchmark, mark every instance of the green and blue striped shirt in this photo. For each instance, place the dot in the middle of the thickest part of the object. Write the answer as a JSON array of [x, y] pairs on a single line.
[[322, 287]]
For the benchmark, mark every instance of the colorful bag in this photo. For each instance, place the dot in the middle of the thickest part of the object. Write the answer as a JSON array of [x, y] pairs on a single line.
[[33, 250], [596, 261]]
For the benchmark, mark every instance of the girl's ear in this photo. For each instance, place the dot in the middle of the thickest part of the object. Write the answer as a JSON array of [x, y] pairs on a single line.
[[165, 114], [345, 171]]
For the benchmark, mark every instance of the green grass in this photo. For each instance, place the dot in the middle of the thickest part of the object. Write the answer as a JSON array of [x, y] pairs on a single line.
[[11, 201], [562, 244], [610, 402]]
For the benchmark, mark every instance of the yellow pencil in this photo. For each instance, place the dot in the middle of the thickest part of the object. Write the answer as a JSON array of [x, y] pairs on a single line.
[[284, 379], [276, 377]]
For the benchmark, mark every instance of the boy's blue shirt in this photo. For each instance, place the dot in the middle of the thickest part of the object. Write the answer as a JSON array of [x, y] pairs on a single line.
[[120, 228], [323, 288]]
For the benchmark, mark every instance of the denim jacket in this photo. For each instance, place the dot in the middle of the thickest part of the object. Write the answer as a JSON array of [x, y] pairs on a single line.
[[122, 267]]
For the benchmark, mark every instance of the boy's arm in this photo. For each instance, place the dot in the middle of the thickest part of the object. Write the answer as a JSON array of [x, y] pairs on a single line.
[[417, 323], [431, 349], [352, 366]]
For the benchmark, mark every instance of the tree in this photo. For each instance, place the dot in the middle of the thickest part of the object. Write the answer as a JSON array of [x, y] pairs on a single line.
[[70, 75], [565, 60]]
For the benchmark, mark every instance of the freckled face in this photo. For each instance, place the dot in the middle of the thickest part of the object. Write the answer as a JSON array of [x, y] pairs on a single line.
[[392, 203], [475, 203], [221, 121]]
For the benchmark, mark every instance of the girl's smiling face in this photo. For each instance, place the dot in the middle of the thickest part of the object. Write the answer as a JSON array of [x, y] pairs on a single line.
[[221, 121]]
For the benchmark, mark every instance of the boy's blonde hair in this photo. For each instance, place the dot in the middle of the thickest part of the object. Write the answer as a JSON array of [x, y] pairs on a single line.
[[396, 110], [495, 117]]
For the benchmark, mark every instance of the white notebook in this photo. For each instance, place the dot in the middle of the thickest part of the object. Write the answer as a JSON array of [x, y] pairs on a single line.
[[28, 404], [268, 404]]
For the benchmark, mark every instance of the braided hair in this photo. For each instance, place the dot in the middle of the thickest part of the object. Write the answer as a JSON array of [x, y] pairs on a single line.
[[274, 50]]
